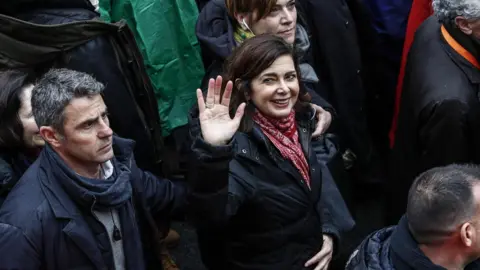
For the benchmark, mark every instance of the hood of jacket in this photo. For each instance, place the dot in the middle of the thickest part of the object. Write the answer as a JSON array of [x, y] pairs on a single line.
[[215, 30], [373, 252]]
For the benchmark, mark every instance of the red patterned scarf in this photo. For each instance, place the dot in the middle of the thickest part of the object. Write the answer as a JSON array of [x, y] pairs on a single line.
[[284, 136]]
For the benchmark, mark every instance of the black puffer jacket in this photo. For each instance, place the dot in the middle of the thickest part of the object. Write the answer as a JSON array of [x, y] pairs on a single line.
[[394, 248], [439, 120], [215, 33], [373, 253], [251, 207]]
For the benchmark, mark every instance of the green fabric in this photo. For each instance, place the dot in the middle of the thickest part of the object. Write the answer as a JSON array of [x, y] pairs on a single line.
[[165, 34], [240, 35]]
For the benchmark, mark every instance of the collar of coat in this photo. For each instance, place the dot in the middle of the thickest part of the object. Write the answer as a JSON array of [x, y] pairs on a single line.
[[465, 58], [62, 205], [245, 147]]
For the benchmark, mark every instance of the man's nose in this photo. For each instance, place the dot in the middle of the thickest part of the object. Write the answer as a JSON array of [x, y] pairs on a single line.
[[105, 130]]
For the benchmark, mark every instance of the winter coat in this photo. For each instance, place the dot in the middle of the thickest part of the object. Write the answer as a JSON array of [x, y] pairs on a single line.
[[337, 54], [439, 120], [41, 227], [112, 57], [421, 10], [393, 248], [215, 33], [170, 50], [12, 167], [252, 209], [16, 7]]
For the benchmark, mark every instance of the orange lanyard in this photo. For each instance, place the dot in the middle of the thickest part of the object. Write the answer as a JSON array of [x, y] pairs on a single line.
[[459, 48]]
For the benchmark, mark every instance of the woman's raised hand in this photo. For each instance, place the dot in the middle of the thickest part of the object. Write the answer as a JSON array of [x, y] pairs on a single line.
[[217, 126]]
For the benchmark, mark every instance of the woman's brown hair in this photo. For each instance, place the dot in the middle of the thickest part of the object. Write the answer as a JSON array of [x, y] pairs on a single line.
[[261, 7], [12, 83], [247, 62]]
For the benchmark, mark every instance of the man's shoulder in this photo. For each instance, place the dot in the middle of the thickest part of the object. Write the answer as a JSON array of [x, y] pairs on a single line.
[[26, 200], [373, 253]]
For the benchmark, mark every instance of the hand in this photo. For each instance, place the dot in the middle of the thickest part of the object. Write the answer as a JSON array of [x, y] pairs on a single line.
[[323, 258], [215, 121], [324, 120]]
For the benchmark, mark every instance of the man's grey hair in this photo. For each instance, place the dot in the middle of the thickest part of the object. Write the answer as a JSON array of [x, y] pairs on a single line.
[[447, 10], [55, 90]]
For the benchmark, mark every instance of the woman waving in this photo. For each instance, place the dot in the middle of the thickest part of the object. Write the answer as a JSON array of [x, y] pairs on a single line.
[[257, 182]]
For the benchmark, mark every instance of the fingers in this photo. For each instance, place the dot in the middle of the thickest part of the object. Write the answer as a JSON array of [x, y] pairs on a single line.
[[218, 89], [323, 264], [227, 94], [239, 114], [318, 131], [315, 259], [324, 121], [201, 102], [211, 93]]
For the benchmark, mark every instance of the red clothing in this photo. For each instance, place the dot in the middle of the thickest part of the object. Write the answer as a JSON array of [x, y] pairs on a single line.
[[284, 136], [421, 10]]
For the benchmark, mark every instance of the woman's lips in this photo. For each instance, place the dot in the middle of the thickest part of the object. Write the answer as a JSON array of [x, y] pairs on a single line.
[[287, 32]]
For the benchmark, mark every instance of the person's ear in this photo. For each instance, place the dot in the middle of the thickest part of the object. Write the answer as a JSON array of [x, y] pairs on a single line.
[[468, 234], [464, 25], [51, 136], [240, 85], [242, 20]]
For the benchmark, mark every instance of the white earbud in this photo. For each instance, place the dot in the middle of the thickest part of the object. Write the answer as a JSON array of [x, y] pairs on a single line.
[[246, 25]]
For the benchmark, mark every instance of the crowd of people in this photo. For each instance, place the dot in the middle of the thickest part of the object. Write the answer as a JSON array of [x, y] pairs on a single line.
[[289, 114]]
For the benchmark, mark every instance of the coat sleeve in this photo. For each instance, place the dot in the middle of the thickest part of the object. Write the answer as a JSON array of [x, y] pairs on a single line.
[[443, 134], [18, 252], [164, 196], [216, 192], [317, 99]]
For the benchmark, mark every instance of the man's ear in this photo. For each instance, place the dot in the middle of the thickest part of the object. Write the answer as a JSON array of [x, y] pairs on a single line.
[[464, 25], [468, 234], [51, 136]]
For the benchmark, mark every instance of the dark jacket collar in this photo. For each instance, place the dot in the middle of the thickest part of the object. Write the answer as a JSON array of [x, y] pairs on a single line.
[[247, 143], [470, 70], [248, 146], [63, 207], [405, 253]]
